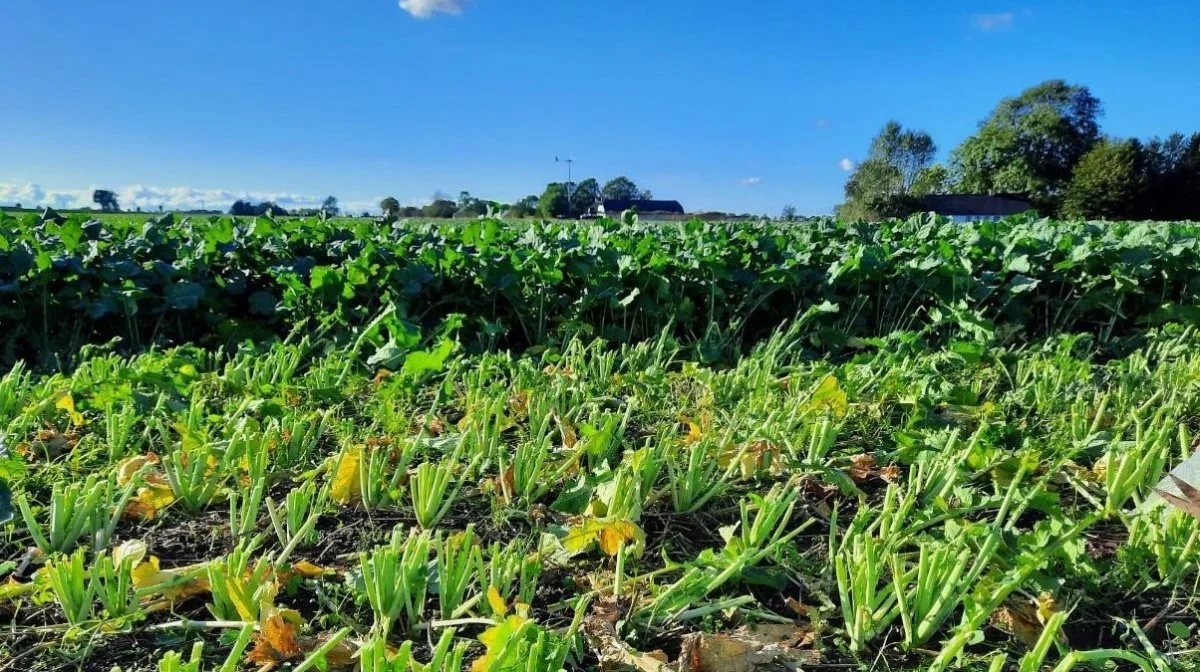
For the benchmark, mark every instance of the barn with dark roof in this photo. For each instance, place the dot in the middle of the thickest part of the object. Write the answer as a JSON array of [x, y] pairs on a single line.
[[614, 207], [974, 207]]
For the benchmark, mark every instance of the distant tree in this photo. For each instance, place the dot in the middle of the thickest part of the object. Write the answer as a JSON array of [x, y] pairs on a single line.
[[1107, 183], [473, 207], [440, 208], [411, 211], [18, 206], [585, 196], [106, 199], [242, 208], [390, 207], [788, 214], [1030, 144], [330, 206], [622, 189], [884, 184], [526, 207], [1172, 178], [554, 202]]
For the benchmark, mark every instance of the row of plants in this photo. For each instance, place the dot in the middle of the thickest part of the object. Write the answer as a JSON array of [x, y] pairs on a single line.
[[589, 506], [68, 282]]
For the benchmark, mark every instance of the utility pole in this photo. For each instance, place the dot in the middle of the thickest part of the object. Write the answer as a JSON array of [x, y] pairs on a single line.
[[567, 161]]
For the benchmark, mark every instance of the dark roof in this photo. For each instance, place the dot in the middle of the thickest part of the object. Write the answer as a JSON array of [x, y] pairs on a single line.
[[641, 205], [975, 204]]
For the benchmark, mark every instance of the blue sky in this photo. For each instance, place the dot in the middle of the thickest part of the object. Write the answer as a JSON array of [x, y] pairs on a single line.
[[738, 106]]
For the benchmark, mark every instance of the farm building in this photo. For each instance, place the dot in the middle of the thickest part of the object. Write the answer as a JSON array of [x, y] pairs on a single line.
[[614, 207], [975, 207]]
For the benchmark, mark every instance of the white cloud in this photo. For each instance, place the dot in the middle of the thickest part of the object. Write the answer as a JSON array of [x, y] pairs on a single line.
[[751, 181], [15, 193], [131, 197], [846, 165], [30, 195], [997, 21], [425, 9]]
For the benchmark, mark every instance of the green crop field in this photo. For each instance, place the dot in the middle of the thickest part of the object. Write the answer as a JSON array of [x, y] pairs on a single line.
[[609, 445]]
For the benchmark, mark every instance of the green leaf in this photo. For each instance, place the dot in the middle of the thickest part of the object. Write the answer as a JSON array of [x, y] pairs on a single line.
[[1180, 630], [184, 296], [1019, 264], [428, 361], [1022, 284], [263, 302], [574, 499], [387, 356]]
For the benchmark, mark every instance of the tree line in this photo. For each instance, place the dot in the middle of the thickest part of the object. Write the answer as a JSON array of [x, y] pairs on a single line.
[[558, 200], [1044, 145]]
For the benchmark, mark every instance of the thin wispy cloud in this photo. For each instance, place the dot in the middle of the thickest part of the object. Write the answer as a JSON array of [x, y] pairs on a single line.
[[426, 9], [821, 123], [994, 22], [846, 165], [750, 181]]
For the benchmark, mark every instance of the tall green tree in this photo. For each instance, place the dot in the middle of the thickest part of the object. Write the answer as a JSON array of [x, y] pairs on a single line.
[[390, 206], [1172, 178], [440, 208], [330, 206], [106, 199], [554, 202], [585, 196], [934, 179], [624, 189], [1107, 183], [1030, 144], [883, 185], [525, 207]]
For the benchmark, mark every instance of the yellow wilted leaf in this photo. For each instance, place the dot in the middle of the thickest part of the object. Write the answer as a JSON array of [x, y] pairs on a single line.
[[1018, 623], [308, 570], [130, 466], [753, 458], [609, 533], [1046, 606], [829, 395], [13, 588], [149, 501], [615, 532], [275, 642], [189, 439], [569, 436], [495, 638], [496, 602], [67, 403], [580, 537], [518, 402], [347, 485], [340, 656], [173, 583]]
